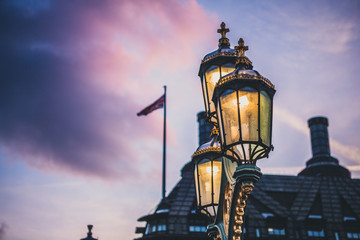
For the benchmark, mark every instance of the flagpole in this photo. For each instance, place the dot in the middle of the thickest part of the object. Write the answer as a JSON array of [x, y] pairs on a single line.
[[164, 149]]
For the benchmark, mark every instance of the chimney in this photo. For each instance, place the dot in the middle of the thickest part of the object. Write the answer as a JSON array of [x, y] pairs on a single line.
[[319, 136], [204, 128], [322, 163]]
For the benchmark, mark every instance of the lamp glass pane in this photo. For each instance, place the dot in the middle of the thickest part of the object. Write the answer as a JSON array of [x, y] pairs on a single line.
[[265, 117], [230, 118], [212, 76], [227, 68], [206, 98], [217, 169], [204, 170], [248, 101], [229, 169], [196, 184], [220, 123], [209, 181]]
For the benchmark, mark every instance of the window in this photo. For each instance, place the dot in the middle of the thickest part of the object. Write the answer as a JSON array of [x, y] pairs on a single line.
[[313, 216], [161, 227], [276, 231], [197, 229], [197, 224], [156, 226], [164, 210], [257, 233], [349, 219], [353, 235], [266, 215], [314, 233]]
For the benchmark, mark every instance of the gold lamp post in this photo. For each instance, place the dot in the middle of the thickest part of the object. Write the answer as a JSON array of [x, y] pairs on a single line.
[[242, 106]]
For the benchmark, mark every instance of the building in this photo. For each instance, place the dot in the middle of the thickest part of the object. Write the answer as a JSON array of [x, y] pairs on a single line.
[[322, 202]]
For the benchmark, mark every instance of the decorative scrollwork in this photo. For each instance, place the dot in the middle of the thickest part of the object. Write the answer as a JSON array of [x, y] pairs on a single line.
[[245, 76], [227, 206]]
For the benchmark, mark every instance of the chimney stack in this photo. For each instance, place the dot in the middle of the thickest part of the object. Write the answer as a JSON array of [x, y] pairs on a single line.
[[322, 163], [319, 136]]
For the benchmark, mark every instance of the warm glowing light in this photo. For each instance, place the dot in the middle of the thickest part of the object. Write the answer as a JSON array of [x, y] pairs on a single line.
[[215, 170], [242, 100], [215, 77]]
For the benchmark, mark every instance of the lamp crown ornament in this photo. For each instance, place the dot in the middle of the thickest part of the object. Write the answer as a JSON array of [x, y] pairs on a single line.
[[242, 62], [223, 41], [241, 49]]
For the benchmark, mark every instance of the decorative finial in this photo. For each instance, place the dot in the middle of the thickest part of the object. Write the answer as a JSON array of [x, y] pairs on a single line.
[[89, 228], [241, 48], [223, 41], [242, 62], [214, 131]]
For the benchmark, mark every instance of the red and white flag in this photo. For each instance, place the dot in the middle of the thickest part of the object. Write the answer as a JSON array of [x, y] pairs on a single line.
[[156, 105]]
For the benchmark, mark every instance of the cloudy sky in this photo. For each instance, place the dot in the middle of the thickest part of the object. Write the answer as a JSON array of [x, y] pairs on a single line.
[[75, 73]]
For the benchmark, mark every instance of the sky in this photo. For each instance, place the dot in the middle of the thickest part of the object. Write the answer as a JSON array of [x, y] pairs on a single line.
[[75, 73]]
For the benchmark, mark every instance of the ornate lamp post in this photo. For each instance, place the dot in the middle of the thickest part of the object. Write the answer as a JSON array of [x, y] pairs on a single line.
[[243, 102]]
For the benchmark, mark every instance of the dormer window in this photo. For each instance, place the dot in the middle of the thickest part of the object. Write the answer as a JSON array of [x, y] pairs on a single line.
[[197, 224], [349, 219], [164, 210], [276, 231], [266, 215], [353, 235], [156, 226], [316, 233]]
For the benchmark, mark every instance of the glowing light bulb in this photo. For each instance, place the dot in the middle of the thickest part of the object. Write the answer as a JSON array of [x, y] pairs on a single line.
[[215, 170], [242, 100], [215, 77]]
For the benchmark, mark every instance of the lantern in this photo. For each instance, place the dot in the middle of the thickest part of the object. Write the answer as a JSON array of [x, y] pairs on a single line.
[[214, 66], [243, 101], [208, 174]]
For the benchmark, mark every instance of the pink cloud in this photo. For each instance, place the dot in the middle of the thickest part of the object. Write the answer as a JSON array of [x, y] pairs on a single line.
[[102, 56]]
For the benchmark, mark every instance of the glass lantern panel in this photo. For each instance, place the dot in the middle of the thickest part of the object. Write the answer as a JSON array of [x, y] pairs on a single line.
[[209, 181], [229, 116], [196, 185], [212, 76], [217, 170], [211, 210], [229, 169], [243, 151], [220, 123], [205, 191], [265, 117], [206, 98], [248, 101], [227, 68]]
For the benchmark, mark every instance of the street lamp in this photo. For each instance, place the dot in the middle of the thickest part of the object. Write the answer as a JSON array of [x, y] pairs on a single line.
[[243, 100], [215, 65], [207, 174], [242, 109]]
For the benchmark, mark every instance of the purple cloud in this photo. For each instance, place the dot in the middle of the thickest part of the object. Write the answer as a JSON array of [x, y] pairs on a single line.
[[69, 89], [3, 227]]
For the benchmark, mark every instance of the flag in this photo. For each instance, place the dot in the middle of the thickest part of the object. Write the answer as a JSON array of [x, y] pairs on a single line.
[[156, 105]]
